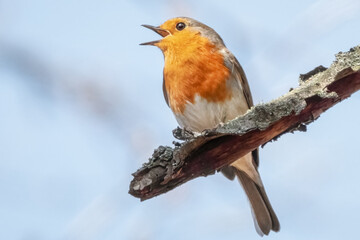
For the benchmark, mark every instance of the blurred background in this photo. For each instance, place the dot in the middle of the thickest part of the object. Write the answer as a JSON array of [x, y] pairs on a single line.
[[81, 108]]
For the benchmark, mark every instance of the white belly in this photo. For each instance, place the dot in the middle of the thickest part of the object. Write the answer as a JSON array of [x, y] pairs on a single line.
[[202, 114]]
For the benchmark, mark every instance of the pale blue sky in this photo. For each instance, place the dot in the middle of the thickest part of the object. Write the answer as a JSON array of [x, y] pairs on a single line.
[[81, 108]]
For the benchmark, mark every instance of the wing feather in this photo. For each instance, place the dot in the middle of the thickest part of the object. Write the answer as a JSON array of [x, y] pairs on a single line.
[[238, 72], [165, 92]]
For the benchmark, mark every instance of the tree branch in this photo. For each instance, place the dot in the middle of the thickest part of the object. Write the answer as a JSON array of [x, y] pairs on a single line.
[[203, 155]]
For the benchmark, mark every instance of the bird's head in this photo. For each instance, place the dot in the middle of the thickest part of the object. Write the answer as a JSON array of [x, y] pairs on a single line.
[[183, 34]]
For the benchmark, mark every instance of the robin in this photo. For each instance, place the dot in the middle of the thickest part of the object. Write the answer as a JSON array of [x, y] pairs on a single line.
[[205, 85]]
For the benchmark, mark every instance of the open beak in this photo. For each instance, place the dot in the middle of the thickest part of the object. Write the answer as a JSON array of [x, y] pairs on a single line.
[[158, 30]]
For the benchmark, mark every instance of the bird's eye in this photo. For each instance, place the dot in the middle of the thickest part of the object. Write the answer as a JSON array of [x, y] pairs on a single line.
[[180, 26]]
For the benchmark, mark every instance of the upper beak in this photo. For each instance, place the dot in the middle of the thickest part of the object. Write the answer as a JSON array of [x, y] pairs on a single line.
[[158, 30]]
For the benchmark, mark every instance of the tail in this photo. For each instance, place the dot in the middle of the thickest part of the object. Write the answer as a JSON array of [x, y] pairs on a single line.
[[265, 218]]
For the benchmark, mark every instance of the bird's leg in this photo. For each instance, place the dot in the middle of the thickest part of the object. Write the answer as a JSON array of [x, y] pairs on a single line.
[[212, 131], [184, 134]]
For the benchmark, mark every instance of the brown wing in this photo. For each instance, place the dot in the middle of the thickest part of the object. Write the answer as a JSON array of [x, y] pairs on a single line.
[[239, 74], [165, 92], [238, 71]]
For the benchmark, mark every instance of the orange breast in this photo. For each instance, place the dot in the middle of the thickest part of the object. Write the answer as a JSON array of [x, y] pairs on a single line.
[[193, 66]]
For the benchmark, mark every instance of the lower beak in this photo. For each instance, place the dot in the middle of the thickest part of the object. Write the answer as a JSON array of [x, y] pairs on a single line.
[[158, 30]]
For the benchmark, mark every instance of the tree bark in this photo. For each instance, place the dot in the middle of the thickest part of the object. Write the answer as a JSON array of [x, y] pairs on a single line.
[[203, 155]]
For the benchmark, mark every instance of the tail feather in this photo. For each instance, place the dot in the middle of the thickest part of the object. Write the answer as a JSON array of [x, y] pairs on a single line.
[[265, 218]]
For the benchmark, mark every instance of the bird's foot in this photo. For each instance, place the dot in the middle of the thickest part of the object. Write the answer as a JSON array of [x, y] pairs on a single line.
[[184, 134]]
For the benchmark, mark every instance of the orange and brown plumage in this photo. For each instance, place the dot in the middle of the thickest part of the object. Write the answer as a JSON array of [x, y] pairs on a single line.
[[204, 85]]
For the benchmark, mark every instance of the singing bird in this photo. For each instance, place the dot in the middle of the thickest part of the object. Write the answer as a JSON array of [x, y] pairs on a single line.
[[204, 85]]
